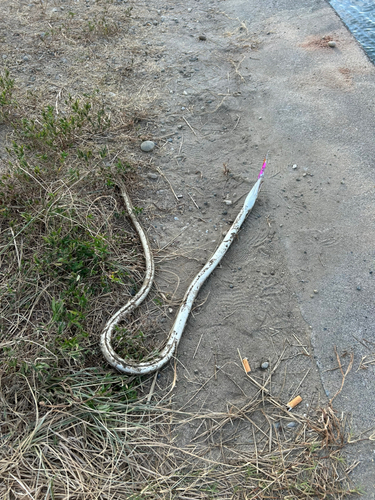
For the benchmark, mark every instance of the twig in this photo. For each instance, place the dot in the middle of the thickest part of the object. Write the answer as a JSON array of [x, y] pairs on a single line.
[[188, 124], [15, 246], [196, 349], [237, 122], [192, 199], [172, 240], [299, 385], [152, 388], [344, 375], [300, 343], [170, 185]]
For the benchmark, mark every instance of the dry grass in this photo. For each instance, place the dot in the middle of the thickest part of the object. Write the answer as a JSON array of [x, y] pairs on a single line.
[[79, 436]]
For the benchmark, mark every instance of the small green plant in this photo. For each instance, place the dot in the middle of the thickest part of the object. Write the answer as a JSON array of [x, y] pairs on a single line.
[[137, 210], [61, 132], [131, 344], [6, 95]]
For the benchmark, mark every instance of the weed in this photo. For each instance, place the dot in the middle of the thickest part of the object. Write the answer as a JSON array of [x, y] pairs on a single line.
[[6, 94]]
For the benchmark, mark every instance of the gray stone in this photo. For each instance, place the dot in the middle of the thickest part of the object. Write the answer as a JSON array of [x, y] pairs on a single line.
[[332, 44], [150, 175], [265, 365], [147, 146], [290, 425]]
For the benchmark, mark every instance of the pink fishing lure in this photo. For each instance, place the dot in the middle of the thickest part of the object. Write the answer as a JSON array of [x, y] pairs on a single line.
[[261, 173]]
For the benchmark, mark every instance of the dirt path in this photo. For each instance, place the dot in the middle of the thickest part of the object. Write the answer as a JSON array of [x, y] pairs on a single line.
[[222, 84], [265, 79]]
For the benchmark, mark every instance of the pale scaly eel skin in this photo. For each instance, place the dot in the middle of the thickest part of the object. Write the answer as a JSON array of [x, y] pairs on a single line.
[[145, 367]]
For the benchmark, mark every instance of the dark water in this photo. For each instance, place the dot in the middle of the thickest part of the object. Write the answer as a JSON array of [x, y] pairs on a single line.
[[359, 17]]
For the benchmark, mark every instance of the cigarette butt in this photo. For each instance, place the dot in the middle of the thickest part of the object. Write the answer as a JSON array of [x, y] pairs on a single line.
[[296, 401], [246, 365]]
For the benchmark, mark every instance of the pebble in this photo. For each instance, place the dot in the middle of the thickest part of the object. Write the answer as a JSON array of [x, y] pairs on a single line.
[[265, 365], [332, 44], [150, 175], [291, 425], [359, 288], [294, 167], [190, 9], [179, 127], [147, 146], [228, 202], [202, 37]]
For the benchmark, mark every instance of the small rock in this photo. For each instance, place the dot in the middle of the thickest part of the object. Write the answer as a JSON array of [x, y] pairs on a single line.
[[147, 146], [230, 286], [228, 202], [202, 37], [332, 44], [150, 175], [315, 291], [291, 425], [190, 9], [294, 167], [265, 365], [359, 288], [179, 127], [196, 371]]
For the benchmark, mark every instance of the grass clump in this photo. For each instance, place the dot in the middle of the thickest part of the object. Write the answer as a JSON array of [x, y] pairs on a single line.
[[64, 253], [6, 94]]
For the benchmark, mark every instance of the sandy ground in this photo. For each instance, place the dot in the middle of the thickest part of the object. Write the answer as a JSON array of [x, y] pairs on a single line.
[[229, 81], [301, 270]]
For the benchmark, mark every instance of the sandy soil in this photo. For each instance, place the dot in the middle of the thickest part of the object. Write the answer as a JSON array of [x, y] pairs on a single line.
[[222, 83]]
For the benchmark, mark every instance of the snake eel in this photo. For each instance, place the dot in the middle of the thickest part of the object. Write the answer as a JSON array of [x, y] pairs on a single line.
[[145, 367]]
